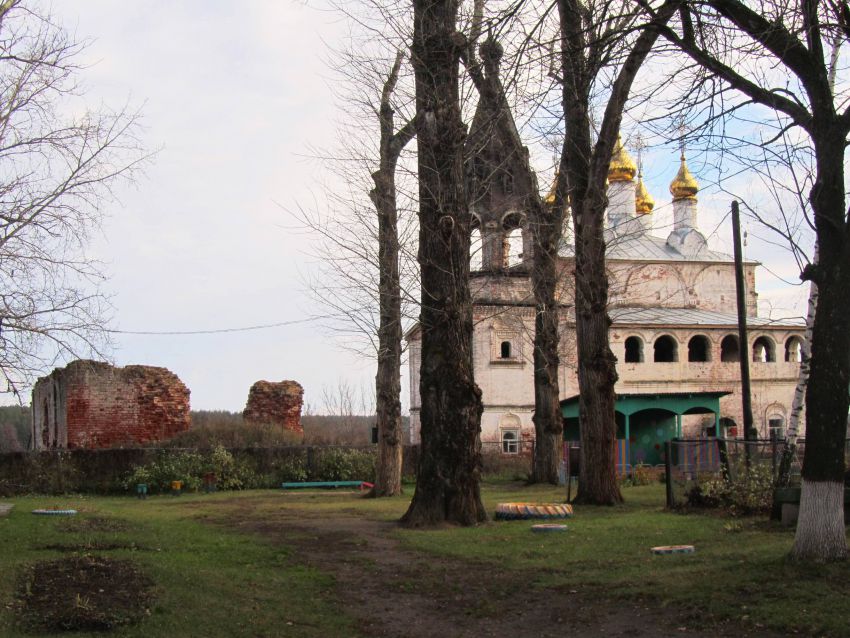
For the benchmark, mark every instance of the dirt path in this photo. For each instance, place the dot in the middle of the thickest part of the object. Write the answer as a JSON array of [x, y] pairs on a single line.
[[396, 593]]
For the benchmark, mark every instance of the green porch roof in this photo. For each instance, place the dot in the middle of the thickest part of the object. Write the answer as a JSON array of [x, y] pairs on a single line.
[[674, 402]]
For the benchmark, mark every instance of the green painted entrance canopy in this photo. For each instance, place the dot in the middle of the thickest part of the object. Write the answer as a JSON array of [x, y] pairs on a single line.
[[675, 402], [645, 421]]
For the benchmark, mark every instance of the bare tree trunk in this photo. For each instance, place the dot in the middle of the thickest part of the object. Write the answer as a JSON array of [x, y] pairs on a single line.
[[820, 526], [388, 376], [585, 167], [448, 477], [546, 224]]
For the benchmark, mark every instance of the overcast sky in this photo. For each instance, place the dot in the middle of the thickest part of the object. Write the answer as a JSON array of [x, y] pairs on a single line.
[[234, 94]]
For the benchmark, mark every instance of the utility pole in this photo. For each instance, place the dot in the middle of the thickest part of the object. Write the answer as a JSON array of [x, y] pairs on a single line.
[[743, 344]]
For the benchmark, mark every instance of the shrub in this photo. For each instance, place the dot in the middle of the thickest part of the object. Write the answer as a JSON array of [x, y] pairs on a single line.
[[340, 464], [747, 491]]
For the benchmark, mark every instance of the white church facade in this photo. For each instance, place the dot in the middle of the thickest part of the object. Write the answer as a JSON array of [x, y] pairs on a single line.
[[672, 302]]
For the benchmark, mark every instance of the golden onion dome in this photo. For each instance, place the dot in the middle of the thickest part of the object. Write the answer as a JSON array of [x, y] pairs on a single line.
[[549, 200], [684, 185], [622, 167], [643, 200]]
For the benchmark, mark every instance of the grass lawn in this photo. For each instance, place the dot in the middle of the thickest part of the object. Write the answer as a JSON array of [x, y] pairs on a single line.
[[739, 571], [214, 581], [209, 582]]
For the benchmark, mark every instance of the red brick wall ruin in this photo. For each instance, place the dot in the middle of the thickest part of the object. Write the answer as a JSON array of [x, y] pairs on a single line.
[[90, 404], [277, 403]]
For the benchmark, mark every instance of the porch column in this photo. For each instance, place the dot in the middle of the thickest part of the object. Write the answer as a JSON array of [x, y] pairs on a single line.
[[627, 444], [678, 426]]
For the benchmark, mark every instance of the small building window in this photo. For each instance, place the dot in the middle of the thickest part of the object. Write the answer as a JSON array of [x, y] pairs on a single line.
[[634, 350], [764, 350], [699, 349], [776, 427], [794, 350], [505, 351], [510, 442], [729, 350], [666, 350]]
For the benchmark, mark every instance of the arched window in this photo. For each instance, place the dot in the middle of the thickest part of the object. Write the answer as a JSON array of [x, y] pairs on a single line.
[[666, 349], [776, 427], [699, 349], [634, 350], [764, 350], [505, 350], [510, 441], [794, 350], [729, 350]]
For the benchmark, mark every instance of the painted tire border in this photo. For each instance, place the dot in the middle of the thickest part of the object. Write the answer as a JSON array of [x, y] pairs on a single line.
[[663, 550], [524, 511], [55, 512]]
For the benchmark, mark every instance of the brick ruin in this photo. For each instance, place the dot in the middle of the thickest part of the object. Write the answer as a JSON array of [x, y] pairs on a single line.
[[90, 404], [276, 402]]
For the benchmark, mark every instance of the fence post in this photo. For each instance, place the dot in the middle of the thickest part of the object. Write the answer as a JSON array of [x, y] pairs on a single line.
[[668, 471]]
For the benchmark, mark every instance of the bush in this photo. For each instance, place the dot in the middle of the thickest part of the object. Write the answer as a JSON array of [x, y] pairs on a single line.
[[747, 491], [340, 464]]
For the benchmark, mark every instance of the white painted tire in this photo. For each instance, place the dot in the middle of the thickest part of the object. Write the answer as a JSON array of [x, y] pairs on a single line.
[[673, 549], [55, 512], [524, 511]]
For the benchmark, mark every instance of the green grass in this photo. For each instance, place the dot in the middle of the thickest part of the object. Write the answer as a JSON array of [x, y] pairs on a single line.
[[214, 581], [210, 582], [740, 570]]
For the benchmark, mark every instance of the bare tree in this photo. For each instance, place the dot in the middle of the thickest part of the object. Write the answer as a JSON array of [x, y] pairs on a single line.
[[785, 72], [57, 172], [597, 40], [388, 379], [448, 476]]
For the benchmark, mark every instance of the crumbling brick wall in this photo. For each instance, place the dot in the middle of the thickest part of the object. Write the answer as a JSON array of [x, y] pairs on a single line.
[[90, 404], [278, 403]]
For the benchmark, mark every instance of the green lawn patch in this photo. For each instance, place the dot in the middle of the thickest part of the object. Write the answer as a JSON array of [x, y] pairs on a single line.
[[205, 581]]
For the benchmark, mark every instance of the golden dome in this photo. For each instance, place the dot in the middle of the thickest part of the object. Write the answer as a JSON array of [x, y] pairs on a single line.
[[684, 185], [643, 200], [622, 167], [550, 196]]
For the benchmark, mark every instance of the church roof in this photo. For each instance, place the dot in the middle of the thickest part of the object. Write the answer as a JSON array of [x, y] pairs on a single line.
[[693, 317], [644, 247]]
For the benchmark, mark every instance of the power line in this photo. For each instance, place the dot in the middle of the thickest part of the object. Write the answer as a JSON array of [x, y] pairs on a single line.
[[210, 332]]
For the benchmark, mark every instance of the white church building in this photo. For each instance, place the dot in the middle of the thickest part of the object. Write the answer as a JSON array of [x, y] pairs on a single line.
[[672, 303]]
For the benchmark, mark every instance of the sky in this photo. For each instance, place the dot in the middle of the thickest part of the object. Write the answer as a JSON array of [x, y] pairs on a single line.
[[234, 97]]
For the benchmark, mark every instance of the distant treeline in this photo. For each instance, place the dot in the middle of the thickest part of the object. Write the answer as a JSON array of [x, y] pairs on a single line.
[[319, 429], [212, 427], [14, 428]]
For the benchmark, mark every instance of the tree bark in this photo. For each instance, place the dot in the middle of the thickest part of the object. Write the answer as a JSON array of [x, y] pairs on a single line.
[[545, 222], [827, 395], [585, 166], [388, 376], [448, 476]]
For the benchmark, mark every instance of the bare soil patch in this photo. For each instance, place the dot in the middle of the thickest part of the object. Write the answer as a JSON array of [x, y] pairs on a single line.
[[81, 593], [396, 593]]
